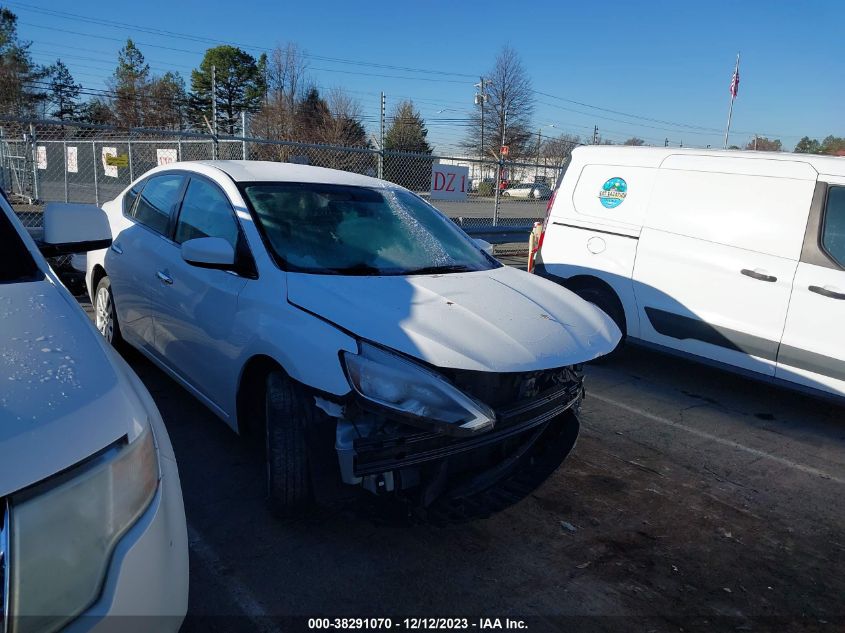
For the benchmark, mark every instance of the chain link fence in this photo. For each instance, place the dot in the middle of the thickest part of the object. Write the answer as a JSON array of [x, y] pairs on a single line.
[[48, 161]]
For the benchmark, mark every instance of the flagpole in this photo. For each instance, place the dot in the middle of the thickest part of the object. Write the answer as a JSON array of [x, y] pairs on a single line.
[[731, 108]]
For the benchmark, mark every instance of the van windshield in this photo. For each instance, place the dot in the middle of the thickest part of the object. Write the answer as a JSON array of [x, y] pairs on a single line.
[[337, 229]]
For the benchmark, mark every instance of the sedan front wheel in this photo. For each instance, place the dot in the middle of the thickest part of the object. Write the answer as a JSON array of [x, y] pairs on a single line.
[[105, 317]]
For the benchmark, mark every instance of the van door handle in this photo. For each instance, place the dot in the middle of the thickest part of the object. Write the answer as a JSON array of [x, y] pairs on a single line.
[[759, 275], [164, 278], [116, 248], [831, 294]]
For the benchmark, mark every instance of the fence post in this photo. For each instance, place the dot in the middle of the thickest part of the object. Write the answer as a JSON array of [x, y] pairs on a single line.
[[34, 152], [243, 134], [499, 166], [96, 188], [129, 152], [64, 151], [179, 148]]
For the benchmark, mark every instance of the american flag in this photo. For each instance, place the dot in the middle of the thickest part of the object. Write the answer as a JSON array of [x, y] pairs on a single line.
[[735, 81]]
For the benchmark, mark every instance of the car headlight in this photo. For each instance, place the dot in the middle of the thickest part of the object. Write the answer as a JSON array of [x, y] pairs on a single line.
[[395, 382], [63, 533]]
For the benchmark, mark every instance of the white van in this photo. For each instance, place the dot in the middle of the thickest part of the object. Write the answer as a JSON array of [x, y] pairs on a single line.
[[733, 257]]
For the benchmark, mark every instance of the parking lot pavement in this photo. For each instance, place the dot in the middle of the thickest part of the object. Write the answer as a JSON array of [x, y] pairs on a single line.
[[694, 500]]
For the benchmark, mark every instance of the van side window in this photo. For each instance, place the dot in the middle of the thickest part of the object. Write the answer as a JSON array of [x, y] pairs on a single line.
[[833, 232], [157, 200]]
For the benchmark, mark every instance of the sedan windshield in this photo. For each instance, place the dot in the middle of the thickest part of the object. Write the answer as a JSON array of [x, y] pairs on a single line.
[[335, 229]]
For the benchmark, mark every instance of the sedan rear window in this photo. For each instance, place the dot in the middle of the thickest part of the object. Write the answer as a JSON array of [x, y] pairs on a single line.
[[334, 229]]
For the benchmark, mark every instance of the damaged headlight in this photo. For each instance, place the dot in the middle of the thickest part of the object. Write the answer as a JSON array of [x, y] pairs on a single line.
[[395, 382]]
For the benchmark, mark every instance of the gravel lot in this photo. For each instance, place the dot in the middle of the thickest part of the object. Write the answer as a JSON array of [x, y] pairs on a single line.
[[694, 500]]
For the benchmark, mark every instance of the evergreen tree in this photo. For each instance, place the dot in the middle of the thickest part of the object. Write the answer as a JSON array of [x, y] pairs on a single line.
[[130, 85], [167, 101], [64, 92], [240, 87], [21, 79], [407, 133]]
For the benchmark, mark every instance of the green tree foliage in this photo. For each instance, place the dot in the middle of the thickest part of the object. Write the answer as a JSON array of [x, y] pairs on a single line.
[[96, 110], [808, 146], [64, 92], [167, 102], [311, 116], [240, 87], [21, 79], [129, 84], [763, 144], [407, 133]]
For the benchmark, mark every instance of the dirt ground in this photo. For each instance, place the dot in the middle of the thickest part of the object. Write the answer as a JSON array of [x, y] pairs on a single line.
[[694, 500]]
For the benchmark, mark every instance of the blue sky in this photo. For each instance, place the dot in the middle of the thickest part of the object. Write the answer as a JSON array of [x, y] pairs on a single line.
[[664, 61]]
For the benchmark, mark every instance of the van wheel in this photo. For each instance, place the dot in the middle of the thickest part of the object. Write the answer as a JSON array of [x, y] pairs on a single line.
[[608, 303], [288, 413], [105, 316]]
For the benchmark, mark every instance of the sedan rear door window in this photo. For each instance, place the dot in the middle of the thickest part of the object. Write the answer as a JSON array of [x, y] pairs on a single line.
[[157, 200]]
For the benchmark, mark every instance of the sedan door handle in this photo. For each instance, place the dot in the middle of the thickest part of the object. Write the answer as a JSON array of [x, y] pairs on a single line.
[[760, 275], [116, 248], [164, 278], [831, 294]]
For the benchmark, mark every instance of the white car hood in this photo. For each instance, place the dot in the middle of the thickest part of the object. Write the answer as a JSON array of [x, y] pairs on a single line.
[[501, 320], [62, 398]]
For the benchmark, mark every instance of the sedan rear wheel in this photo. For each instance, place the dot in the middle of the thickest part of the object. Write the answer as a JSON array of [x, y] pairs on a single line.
[[105, 317]]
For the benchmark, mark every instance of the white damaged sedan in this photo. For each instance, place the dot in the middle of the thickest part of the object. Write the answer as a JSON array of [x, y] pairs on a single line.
[[348, 324]]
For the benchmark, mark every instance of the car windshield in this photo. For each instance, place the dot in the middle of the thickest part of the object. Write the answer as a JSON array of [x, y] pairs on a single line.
[[336, 229], [16, 263]]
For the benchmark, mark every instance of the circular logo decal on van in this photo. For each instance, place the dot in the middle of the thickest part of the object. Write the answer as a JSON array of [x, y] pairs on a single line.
[[613, 193]]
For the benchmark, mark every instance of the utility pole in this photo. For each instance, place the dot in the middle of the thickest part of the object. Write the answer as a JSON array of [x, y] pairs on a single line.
[[537, 166], [480, 100], [596, 135], [381, 140], [214, 99]]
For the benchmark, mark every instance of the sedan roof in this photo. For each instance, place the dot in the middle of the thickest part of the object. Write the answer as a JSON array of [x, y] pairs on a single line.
[[269, 171]]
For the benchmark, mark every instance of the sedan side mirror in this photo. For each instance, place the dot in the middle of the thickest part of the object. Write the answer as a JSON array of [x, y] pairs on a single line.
[[209, 252], [73, 228], [485, 246]]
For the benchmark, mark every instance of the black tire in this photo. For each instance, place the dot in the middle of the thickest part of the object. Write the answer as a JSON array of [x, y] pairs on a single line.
[[105, 315], [288, 414], [607, 302]]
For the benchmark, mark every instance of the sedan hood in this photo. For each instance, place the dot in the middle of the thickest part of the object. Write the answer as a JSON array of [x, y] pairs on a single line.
[[501, 320], [62, 397]]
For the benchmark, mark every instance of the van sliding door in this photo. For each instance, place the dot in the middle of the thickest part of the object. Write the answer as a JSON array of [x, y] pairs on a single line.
[[717, 256]]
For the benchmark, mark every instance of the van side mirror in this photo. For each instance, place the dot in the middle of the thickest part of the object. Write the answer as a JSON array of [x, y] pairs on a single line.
[[73, 228], [485, 246], [209, 252]]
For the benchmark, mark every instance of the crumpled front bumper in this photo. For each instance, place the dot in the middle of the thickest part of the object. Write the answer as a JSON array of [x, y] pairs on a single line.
[[414, 457]]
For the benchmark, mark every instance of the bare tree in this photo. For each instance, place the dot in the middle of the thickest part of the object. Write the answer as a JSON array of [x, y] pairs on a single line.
[[557, 151], [508, 109], [287, 83], [634, 140]]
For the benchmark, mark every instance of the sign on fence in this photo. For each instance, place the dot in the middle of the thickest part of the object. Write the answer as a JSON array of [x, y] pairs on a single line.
[[449, 182], [121, 160], [72, 160], [166, 156], [41, 156], [109, 170]]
